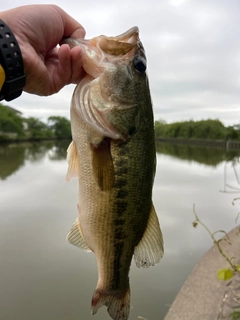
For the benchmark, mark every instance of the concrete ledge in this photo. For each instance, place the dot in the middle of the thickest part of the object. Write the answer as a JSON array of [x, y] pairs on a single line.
[[203, 296]]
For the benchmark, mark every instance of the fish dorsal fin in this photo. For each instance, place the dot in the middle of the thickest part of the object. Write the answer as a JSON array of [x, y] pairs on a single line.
[[75, 237], [102, 165], [72, 159], [150, 250]]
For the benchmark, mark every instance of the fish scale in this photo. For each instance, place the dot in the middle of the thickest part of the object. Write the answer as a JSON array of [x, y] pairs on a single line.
[[113, 156]]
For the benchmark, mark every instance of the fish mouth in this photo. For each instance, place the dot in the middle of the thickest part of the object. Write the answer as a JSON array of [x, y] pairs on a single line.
[[119, 45], [99, 51], [129, 35]]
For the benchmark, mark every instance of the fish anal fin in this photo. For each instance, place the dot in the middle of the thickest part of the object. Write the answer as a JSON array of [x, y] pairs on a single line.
[[102, 164], [118, 303], [75, 237], [72, 159], [149, 250]]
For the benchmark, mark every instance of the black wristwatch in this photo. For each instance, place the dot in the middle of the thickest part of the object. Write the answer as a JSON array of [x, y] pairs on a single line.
[[12, 63]]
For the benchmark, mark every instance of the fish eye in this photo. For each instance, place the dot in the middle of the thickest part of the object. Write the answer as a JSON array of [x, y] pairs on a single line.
[[140, 64]]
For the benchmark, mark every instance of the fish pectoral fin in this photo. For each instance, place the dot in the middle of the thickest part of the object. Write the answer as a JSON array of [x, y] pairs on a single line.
[[72, 159], [102, 165], [75, 237], [149, 250]]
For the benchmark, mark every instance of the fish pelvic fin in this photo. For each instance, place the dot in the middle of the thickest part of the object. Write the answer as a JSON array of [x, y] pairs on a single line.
[[75, 237], [149, 250], [118, 303], [72, 159]]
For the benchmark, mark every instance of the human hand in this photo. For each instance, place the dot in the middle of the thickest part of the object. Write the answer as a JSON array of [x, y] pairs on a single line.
[[38, 30]]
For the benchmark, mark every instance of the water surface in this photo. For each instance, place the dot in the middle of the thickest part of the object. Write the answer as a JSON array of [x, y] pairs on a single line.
[[44, 277]]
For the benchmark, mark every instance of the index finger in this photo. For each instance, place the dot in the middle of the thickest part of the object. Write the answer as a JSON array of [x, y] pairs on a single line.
[[72, 28]]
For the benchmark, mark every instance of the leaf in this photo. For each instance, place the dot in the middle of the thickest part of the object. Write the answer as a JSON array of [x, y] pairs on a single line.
[[238, 267], [225, 274], [236, 315], [195, 223]]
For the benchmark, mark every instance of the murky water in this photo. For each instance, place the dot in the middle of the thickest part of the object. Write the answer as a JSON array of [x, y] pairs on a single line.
[[44, 277]]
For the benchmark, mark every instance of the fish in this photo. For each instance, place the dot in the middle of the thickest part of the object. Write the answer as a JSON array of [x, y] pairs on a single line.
[[113, 155]]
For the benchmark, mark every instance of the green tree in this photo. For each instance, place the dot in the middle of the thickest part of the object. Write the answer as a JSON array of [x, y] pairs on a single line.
[[211, 129], [10, 121], [38, 129], [60, 126]]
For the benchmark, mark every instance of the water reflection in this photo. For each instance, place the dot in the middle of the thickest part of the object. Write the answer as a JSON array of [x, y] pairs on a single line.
[[41, 271], [14, 156], [58, 152], [234, 169], [205, 155], [35, 152]]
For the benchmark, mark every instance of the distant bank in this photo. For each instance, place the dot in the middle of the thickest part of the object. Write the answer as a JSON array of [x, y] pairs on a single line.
[[13, 138], [197, 130], [227, 144], [15, 128]]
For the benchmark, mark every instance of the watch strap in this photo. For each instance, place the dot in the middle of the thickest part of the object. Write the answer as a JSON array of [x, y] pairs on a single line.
[[12, 63]]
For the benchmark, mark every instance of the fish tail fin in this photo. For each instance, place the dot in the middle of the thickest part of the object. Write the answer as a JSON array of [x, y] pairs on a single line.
[[118, 303]]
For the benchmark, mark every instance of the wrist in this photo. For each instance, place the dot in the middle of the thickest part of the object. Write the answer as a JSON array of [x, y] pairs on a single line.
[[12, 63]]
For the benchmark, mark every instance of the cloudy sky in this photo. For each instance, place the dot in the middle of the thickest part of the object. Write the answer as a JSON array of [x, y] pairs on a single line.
[[193, 51]]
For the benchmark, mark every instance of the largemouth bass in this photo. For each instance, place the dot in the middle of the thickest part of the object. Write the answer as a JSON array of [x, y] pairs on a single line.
[[113, 155]]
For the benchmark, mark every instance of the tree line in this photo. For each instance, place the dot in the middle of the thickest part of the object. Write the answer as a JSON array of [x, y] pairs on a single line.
[[13, 125], [203, 129], [60, 127]]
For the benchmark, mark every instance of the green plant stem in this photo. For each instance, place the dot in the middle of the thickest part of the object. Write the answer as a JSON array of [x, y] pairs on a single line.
[[217, 242]]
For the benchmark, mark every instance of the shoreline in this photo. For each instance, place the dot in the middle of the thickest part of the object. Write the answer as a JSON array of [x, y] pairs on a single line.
[[227, 144], [8, 141], [223, 144]]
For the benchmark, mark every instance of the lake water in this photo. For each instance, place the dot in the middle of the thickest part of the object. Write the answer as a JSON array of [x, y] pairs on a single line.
[[44, 277]]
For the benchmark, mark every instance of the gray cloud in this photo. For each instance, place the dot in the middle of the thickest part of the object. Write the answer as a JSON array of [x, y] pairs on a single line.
[[193, 52]]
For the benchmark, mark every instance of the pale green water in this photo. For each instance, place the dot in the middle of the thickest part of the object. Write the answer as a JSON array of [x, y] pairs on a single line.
[[42, 277]]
